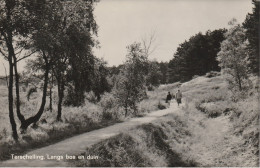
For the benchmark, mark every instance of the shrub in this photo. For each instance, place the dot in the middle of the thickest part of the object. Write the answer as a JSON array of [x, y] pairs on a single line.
[[161, 106], [110, 107], [215, 109]]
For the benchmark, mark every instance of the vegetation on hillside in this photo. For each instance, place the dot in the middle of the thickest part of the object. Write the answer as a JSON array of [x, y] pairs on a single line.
[[66, 90], [75, 120], [197, 56], [147, 145], [210, 129]]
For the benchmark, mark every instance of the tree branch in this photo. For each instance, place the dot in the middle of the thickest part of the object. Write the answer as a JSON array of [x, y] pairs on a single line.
[[6, 78], [3, 54], [19, 51], [26, 56]]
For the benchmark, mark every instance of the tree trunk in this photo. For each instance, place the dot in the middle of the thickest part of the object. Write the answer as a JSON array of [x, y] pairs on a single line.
[[10, 99], [61, 95], [9, 44], [50, 105], [238, 78], [36, 117], [18, 111]]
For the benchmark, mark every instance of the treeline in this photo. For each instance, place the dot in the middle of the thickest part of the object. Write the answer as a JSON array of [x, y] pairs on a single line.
[[197, 56]]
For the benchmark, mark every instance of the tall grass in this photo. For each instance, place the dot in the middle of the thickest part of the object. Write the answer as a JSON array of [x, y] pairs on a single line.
[[212, 97], [166, 142], [151, 144], [75, 120]]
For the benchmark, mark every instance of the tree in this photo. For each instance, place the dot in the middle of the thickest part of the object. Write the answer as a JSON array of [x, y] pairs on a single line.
[[36, 26], [153, 78], [81, 62], [148, 45], [251, 24], [163, 70], [233, 57], [130, 85], [197, 56], [44, 35], [70, 48], [13, 26], [99, 79]]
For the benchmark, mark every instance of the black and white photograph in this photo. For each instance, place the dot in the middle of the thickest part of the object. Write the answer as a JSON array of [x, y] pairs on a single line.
[[129, 83]]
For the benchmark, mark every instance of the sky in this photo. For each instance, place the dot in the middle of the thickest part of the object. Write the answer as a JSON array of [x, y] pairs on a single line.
[[123, 22]]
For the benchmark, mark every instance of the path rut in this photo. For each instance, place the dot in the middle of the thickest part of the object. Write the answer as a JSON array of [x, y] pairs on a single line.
[[78, 144]]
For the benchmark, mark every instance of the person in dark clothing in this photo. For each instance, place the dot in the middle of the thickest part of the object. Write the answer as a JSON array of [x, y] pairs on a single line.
[[168, 98], [178, 97]]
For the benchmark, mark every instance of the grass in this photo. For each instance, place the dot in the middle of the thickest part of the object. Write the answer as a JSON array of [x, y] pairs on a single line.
[[177, 141], [211, 97], [165, 142], [75, 120], [147, 145]]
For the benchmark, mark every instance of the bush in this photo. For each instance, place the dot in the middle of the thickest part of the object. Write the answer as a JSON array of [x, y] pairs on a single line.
[[110, 108], [215, 109], [161, 106]]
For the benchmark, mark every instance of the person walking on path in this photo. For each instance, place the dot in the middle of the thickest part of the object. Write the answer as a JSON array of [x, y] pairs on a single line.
[[168, 98], [178, 97]]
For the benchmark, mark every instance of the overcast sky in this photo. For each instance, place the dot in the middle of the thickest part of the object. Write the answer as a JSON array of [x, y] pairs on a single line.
[[122, 22]]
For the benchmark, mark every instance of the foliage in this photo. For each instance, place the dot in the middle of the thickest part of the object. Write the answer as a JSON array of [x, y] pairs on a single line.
[[163, 69], [251, 24], [233, 58], [110, 106], [154, 74], [161, 106], [99, 80], [130, 84], [197, 56], [152, 144]]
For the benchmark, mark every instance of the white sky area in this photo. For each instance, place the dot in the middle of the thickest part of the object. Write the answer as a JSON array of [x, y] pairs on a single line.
[[122, 22]]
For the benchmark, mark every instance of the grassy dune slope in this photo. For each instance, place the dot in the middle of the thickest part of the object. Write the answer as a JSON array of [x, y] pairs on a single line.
[[209, 129], [147, 145]]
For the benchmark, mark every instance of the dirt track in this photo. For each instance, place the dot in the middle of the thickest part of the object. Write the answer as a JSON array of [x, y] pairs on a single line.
[[78, 144], [211, 143]]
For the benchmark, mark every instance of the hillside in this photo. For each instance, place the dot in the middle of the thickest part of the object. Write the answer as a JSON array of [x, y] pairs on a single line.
[[208, 129]]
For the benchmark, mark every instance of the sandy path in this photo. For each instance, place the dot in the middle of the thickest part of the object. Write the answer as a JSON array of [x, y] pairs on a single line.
[[211, 143], [79, 143]]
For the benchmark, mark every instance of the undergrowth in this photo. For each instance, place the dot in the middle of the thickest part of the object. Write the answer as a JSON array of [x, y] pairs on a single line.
[[75, 120], [147, 145]]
